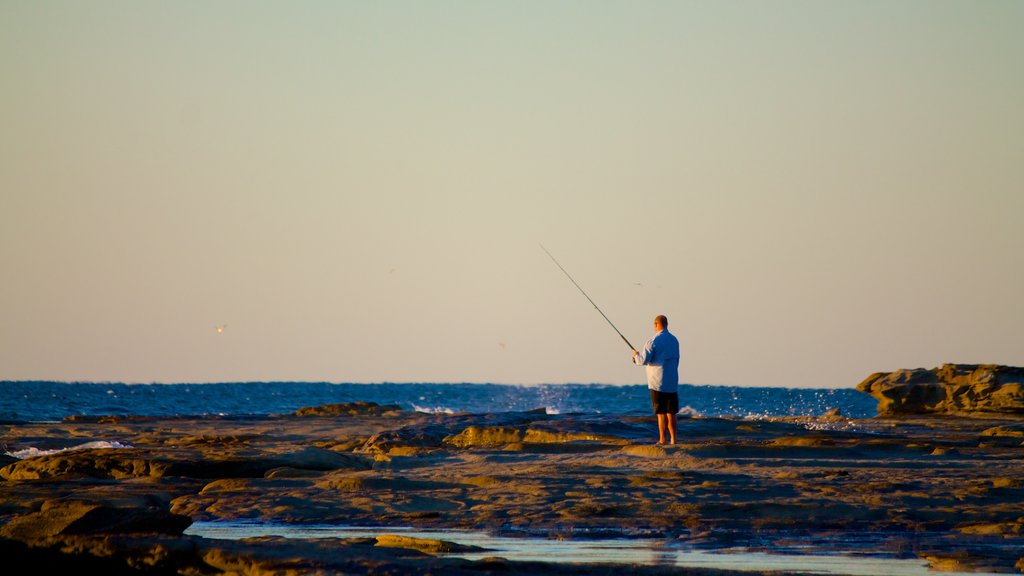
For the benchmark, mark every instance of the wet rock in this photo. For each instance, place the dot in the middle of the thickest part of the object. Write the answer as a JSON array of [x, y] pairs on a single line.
[[427, 545], [962, 561], [348, 409], [100, 419], [1007, 483], [1005, 431], [953, 389], [101, 463], [499, 564], [799, 441], [107, 555]]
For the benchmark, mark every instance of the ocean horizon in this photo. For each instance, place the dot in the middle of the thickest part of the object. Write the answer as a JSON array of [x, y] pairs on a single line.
[[52, 400]]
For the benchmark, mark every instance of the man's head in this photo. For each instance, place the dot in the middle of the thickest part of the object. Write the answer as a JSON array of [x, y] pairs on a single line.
[[660, 322]]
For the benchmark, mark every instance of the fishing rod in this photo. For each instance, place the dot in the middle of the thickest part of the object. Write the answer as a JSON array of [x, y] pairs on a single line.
[[588, 297]]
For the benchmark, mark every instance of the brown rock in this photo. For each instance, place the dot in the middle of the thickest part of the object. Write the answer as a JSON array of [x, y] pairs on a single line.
[[506, 436], [645, 450], [124, 463], [79, 517], [1007, 483], [953, 389], [312, 458], [533, 436], [485, 436], [833, 415], [415, 436]]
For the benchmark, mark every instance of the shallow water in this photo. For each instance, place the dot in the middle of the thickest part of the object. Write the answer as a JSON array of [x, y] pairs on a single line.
[[616, 551]]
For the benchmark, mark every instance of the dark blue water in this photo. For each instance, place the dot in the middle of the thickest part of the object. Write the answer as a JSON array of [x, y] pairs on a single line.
[[34, 401]]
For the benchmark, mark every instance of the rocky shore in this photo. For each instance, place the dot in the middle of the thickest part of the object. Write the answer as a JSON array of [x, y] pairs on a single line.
[[949, 490], [976, 390]]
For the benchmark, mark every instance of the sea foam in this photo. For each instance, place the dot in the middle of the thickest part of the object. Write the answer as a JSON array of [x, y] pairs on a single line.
[[31, 452]]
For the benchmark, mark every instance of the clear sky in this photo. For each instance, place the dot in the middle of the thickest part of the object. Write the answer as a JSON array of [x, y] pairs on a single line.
[[355, 192]]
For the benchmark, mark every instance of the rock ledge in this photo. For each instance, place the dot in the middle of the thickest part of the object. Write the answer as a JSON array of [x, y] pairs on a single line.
[[953, 390]]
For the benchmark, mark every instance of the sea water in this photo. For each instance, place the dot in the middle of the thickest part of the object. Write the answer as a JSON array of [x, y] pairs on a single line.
[[41, 401], [644, 551]]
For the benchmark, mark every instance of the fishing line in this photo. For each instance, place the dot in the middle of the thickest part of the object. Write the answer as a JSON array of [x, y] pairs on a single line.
[[588, 297]]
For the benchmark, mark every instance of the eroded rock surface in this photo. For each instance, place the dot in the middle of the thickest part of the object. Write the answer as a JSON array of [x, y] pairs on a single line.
[[953, 389]]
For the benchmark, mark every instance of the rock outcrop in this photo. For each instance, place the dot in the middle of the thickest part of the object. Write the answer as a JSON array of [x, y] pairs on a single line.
[[953, 389], [348, 409], [81, 517]]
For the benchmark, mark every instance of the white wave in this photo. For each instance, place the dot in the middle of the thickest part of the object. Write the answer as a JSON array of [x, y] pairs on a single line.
[[551, 410], [436, 410], [835, 426], [31, 452], [688, 411]]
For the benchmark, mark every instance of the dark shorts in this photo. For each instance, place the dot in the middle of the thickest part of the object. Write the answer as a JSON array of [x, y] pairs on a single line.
[[665, 402]]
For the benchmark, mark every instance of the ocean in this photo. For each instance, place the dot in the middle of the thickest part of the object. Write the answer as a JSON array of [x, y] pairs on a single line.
[[51, 401]]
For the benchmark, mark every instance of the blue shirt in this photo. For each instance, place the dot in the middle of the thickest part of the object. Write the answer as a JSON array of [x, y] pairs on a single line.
[[661, 357]]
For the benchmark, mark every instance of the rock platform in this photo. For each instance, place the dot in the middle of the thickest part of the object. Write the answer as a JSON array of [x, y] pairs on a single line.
[[947, 490]]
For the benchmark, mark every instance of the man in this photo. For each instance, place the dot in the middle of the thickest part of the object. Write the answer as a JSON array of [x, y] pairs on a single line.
[[661, 357]]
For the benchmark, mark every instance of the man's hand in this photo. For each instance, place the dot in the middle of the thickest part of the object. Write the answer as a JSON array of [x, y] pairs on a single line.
[[635, 353]]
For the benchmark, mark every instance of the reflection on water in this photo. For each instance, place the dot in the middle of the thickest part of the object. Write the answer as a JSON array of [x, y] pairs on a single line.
[[617, 551]]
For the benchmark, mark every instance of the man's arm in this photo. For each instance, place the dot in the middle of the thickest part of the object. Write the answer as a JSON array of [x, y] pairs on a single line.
[[644, 357]]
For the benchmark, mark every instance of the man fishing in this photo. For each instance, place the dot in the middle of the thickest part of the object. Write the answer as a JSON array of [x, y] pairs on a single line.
[[661, 358]]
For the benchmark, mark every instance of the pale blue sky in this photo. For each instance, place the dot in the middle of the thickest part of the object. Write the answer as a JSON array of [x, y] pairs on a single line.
[[811, 191]]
